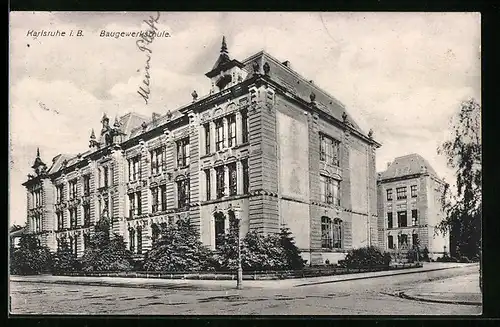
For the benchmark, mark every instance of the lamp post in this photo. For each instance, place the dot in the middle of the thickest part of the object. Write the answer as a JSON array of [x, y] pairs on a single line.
[[237, 216]]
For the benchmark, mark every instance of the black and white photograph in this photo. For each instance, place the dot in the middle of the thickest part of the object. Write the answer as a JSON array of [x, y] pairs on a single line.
[[245, 163]]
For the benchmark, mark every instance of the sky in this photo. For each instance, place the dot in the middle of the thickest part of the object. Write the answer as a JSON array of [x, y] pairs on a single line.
[[401, 74]]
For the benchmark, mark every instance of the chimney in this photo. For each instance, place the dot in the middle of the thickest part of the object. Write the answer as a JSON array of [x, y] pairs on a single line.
[[287, 64]]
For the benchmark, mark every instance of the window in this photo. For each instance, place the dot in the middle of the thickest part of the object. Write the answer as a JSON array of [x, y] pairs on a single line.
[[219, 182], [183, 193], [207, 185], [231, 137], [37, 198], [60, 220], [206, 129], [402, 240], [131, 237], [232, 179], [402, 219], [414, 217], [331, 233], [139, 240], [155, 200], [86, 185], [220, 229], [329, 190], [233, 222], [159, 198], [86, 215], [155, 233], [72, 218], [389, 194], [75, 249], [106, 176], [37, 223], [329, 150], [389, 220], [183, 153], [107, 206], [246, 181], [135, 204], [59, 193], [219, 135], [401, 193], [86, 241], [71, 244], [390, 242], [134, 168], [157, 160], [163, 194], [414, 240], [413, 190], [244, 126], [72, 189]]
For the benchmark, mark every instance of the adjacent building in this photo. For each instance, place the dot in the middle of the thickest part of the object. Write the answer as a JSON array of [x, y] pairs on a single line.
[[265, 145], [409, 206]]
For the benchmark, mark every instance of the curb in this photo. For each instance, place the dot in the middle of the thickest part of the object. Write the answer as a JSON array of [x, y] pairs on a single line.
[[377, 276], [422, 299]]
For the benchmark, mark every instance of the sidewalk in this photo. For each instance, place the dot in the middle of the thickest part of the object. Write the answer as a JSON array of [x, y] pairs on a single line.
[[224, 284], [456, 290]]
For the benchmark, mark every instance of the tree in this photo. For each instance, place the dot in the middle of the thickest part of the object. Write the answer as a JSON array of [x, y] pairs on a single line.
[[463, 207], [292, 253], [30, 258], [65, 259], [177, 249], [258, 252], [106, 253]]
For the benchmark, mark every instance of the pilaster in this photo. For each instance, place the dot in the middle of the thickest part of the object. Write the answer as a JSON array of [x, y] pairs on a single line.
[[194, 170]]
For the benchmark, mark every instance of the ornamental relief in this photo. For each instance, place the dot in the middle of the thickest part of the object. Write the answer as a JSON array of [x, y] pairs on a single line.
[[132, 152], [182, 133], [331, 171]]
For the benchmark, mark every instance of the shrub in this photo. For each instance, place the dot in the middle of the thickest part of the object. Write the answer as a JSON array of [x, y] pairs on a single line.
[[178, 249], [64, 259], [106, 253], [366, 257], [30, 258]]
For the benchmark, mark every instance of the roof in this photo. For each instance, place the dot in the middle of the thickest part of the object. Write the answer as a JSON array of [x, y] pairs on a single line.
[[18, 232], [299, 86], [279, 72], [58, 160], [406, 165]]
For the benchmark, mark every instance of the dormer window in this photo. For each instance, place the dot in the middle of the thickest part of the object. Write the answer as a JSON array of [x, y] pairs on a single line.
[[223, 81]]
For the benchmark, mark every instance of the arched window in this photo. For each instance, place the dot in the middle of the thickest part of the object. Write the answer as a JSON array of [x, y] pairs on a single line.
[[131, 239], [326, 232], [155, 233], [220, 222], [139, 239], [233, 222], [337, 233], [331, 233]]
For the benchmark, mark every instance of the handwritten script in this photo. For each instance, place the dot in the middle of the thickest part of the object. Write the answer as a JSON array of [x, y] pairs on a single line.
[[143, 44]]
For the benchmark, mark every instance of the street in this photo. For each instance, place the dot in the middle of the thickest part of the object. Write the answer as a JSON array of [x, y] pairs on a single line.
[[374, 296]]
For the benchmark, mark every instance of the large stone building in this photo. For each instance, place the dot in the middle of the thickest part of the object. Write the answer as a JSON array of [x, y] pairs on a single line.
[[264, 140], [409, 206]]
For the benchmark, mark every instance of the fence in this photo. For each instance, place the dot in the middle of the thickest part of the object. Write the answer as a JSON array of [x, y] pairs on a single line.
[[247, 275]]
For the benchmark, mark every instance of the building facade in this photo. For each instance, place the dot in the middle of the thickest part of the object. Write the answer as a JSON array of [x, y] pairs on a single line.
[[409, 206], [264, 142]]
